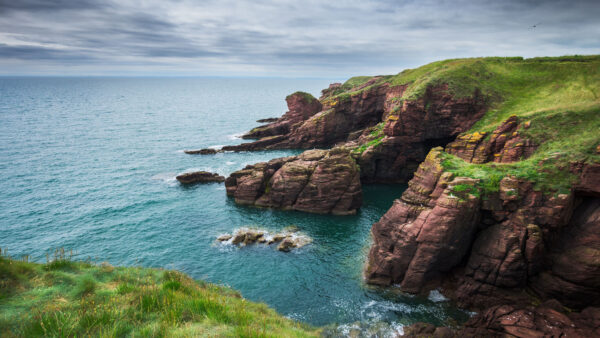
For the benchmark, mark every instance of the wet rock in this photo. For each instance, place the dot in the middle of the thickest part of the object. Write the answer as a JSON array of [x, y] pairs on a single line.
[[206, 151], [286, 245], [224, 238], [287, 240], [239, 237], [199, 177], [252, 236]]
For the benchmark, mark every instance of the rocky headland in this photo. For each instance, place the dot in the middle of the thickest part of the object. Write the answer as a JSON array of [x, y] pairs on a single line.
[[502, 161]]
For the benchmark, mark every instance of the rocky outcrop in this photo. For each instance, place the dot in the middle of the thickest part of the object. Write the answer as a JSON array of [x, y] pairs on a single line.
[[572, 268], [317, 181], [205, 151], [506, 144], [199, 177], [547, 320], [290, 238], [427, 232], [492, 244], [412, 128], [301, 107]]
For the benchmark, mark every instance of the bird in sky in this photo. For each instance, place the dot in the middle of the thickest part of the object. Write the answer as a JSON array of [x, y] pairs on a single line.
[[534, 26]]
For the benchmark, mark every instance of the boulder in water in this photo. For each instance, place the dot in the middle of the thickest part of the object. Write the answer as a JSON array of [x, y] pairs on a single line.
[[199, 177]]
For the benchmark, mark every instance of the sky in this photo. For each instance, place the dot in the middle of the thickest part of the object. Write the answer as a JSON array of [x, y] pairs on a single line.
[[281, 38]]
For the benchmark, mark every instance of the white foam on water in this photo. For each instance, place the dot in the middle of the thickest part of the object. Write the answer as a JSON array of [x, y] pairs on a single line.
[[217, 147], [168, 178], [436, 296], [230, 163], [397, 328], [345, 329], [235, 136]]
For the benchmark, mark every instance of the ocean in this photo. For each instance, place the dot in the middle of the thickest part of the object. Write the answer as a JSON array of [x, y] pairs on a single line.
[[89, 164]]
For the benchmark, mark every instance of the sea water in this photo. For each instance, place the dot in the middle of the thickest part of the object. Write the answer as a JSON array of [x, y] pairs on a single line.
[[89, 164]]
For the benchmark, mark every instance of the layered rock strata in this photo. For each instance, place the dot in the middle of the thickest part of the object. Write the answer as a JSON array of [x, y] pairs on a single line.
[[506, 144], [492, 244], [317, 181]]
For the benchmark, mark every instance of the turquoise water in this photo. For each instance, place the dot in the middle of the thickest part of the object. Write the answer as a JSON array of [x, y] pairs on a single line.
[[89, 164]]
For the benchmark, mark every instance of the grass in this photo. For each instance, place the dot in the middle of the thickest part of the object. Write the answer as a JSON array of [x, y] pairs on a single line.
[[559, 95], [375, 138], [65, 298], [307, 96]]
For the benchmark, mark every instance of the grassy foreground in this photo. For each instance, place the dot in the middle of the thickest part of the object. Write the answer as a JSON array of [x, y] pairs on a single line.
[[65, 298]]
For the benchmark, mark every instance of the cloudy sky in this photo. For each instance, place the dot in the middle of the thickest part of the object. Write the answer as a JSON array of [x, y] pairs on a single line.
[[335, 38]]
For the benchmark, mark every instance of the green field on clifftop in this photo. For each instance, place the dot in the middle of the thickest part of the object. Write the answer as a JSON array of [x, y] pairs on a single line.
[[64, 298], [559, 95]]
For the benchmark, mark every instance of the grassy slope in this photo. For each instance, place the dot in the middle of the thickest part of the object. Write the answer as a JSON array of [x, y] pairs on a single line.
[[66, 298], [559, 95]]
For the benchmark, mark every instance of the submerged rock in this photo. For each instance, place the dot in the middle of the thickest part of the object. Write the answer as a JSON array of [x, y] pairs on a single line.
[[287, 240], [199, 177]]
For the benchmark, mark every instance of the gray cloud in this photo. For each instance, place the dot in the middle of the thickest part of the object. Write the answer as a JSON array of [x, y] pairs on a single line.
[[282, 37]]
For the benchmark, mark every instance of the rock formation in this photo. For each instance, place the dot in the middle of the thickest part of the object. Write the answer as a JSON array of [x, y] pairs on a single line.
[[199, 177], [318, 181], [484, 231], [205, 151], [290, 238]]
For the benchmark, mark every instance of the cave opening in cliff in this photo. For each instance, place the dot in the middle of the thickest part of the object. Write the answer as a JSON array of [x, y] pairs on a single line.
[[438, 142]]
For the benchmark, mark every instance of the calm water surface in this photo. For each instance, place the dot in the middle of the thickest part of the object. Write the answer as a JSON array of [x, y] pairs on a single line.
[[89, 164]]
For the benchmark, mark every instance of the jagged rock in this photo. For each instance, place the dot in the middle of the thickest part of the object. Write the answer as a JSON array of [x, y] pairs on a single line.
[[199, 177], [512, 239], [504, 145], [206, 151], [428, 237], [412, 128], [238, 237], [287, 240], [316, 181], [224, 238], [286, 245], [573, 275], [541, 321], [301, 107]]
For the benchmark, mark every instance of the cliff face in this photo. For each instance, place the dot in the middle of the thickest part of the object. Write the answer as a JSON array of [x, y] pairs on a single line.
[[494, 243], [511, 204], [412, 127]]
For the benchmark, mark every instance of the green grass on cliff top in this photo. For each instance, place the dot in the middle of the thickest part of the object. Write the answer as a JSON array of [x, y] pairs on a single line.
[[559, 95], [64, 298]]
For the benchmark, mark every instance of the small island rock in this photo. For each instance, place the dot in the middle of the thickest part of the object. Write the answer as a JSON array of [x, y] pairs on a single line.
[[199, 177]]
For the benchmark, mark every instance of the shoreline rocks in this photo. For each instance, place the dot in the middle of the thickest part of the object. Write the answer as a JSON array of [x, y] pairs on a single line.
[[286, 240], [206, 151], [199, 177]]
